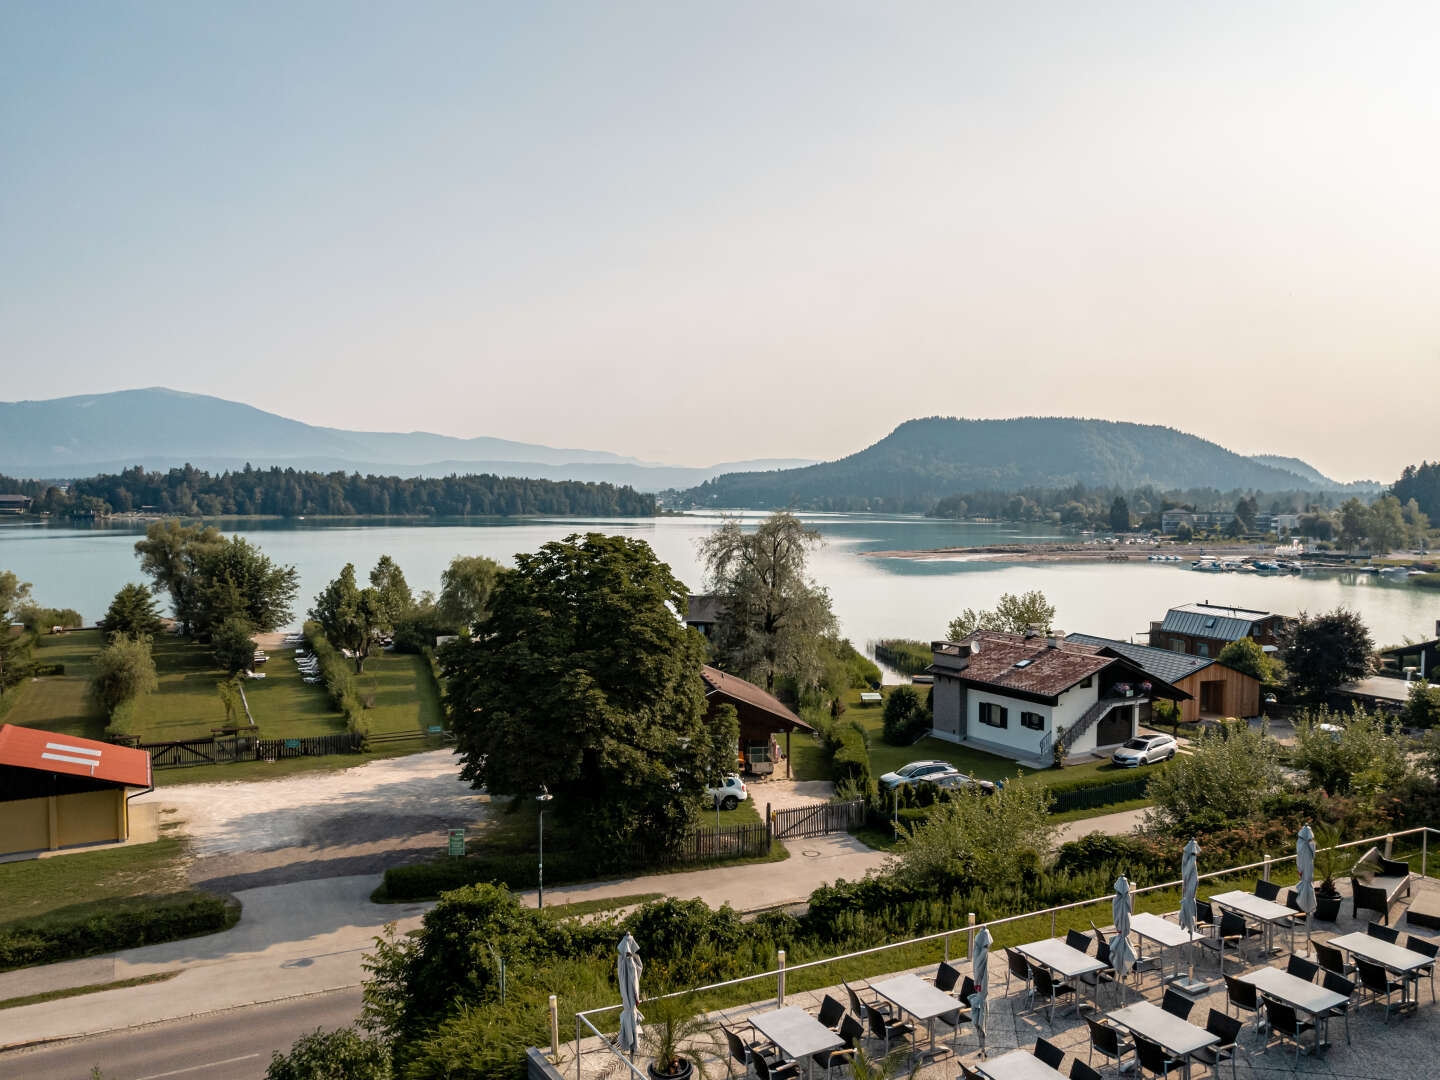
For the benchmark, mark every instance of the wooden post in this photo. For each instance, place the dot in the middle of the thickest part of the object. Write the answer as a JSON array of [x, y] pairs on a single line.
[[554, 1030], [788, 774]]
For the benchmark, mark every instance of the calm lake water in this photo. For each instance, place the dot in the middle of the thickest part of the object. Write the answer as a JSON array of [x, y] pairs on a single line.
[[83, 567]]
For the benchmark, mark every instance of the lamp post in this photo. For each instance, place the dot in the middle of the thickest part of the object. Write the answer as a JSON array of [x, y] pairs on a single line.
[[543, 798]]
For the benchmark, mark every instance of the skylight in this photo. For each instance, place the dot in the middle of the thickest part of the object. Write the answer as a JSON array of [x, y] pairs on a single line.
[[1024, 663]]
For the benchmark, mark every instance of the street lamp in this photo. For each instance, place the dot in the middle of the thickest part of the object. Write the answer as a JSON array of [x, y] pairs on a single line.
[[542, 799]]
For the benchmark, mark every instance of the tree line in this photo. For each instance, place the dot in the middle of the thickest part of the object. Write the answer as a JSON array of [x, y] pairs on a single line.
[[293, 493]]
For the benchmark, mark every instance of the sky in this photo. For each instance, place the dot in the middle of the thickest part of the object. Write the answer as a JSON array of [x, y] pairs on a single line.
[[699, 232]]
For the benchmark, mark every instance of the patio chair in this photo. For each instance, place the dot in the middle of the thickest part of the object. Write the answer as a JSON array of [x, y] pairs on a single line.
[[1227, 1029], [831, 1013], [1099, 934], [1108, 1041], [790, 1070], [1076, 940], [1018, 966], [1301, 968], [1267, 890], [1080, 1071], [1331, 959], [946, 977], [1338, 984], [1285, 1024], [1427, 948], [1154, 1060], [1049, 1053], [858, 1005], [1383, 933], [747, 1053], [885, 1029], [1096, 979], [1244, 997], [1230, 931], [1204, 913], [967, 1073], [1376, 981], [852, 1033], [1176, 1004], [967, 989], [1047, 989]]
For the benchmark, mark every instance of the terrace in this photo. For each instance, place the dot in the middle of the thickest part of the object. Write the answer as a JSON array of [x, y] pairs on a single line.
[[1387, 1035]]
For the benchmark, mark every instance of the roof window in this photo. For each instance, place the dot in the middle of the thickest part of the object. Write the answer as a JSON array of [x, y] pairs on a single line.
[[1024, 663]]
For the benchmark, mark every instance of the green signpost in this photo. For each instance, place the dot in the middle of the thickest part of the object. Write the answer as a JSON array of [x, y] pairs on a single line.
[[457, 842]]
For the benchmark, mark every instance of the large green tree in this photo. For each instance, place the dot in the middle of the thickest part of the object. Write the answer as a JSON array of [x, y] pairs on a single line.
[[1246, 654], [169, 555], [13, 595], [1323, 652], [1014, 613], [132, 612], [233, 645], [774, 618], [211, 578], [585, 681], [465, 589], [393, 590], [1223, 780], [351, 617], [122, 671]]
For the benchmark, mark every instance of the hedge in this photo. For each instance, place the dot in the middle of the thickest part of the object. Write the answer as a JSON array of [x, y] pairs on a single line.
[[1090, 796], [425, 881], [147, 921], [338, 681]]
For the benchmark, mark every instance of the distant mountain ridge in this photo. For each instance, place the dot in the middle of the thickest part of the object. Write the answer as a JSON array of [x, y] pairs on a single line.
[[1308, 472], [159, 428], [924, 460]]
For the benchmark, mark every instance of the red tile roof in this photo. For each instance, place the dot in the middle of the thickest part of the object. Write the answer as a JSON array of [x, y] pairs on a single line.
[[732, 686], [1050, 671], [45, 751]]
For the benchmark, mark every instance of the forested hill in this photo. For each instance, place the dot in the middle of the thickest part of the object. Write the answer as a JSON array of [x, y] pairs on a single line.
[[924, 460], [292, 493]]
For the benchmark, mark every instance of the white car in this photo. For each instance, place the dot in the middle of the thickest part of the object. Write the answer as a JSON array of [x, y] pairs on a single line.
[[1145, 750], [730, 792], [915, 772]]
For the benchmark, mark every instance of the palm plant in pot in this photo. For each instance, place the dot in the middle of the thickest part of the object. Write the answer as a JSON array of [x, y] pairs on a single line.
[[672, 1035], [1329, 862]]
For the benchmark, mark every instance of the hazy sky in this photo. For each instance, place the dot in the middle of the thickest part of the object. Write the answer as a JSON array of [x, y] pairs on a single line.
[[697, 232]]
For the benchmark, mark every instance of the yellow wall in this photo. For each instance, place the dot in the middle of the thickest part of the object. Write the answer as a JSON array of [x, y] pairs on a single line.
[[62, 821]]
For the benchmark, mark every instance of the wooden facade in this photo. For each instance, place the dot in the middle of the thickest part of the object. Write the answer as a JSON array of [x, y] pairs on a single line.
[[1219, 691]]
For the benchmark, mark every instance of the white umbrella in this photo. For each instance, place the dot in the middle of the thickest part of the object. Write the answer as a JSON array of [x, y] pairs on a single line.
[[1305, 892], [1122, 957], [980, 972], [628, 971], [1189, 886]]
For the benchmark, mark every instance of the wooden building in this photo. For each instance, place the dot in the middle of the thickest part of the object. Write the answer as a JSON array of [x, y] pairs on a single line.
[[762, 719], [1214, 690], [59, 791], [1204, 629], [1423, 658]]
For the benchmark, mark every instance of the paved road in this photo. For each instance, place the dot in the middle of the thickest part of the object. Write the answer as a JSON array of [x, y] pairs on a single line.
[[231, 1045]]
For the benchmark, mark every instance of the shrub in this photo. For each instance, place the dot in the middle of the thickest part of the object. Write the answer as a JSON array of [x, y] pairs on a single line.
[[427, 880], [46, 939], [324, 1055], [41, 620], [123, 670], [335, 675], [905, 718]]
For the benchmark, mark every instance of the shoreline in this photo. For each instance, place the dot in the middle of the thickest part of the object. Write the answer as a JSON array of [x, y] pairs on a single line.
[[1114, 553]]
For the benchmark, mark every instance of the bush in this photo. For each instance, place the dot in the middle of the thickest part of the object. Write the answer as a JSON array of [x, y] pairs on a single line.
[[906, 720], [41, 670], [46, 939], [425, 881], [339, 683], [41, 620], [326, 1055], [122, 671], [850, 758]]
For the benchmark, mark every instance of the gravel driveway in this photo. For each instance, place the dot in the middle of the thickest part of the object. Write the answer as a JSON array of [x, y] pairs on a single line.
[[325, 824]]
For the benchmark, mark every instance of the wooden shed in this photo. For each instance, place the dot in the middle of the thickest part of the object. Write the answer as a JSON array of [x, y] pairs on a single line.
[[1216, 691], [762, 719]]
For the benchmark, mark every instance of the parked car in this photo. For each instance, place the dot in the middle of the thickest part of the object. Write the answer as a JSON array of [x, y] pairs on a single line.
[[915, 772], [1145, 750], [730, 793], [960, 781]]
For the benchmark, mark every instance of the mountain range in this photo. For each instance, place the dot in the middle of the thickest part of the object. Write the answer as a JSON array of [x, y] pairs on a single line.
[[924, 460], [90, 434]]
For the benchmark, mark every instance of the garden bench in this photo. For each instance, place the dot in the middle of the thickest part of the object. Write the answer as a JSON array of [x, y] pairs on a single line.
[[1383, 889]]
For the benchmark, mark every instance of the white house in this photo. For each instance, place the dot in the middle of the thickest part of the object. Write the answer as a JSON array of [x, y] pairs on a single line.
[[1015, 694]]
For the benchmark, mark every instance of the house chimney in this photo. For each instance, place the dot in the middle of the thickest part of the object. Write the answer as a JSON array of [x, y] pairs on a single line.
[[1033, 630], [1055, 638]]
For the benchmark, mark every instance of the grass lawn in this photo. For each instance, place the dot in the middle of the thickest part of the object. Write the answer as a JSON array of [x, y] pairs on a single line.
[[60, 703], [404, 693], [34, 887]]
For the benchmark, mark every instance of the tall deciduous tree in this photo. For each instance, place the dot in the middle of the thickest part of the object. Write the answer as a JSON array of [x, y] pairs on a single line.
[[1246, 654], [233, 645], [465, 589], [389, 583], [211, 578], [122, 671], [169, 554], [585, 681], [773, 617], [1323, 652], [13, 594], [1013, 614], [132, 612], [351, 616]]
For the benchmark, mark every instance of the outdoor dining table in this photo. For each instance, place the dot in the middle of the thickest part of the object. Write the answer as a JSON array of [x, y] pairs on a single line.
[[1017, 1065], [1304, 996], [797, 1034], [1164, 933], [1393, 958], [1179, 1037], [924, 1001], [1064, 961], [1266, 912]]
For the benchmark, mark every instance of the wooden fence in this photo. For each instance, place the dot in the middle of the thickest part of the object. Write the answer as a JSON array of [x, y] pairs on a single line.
[[218, 749], [821, 819], [708, 845]]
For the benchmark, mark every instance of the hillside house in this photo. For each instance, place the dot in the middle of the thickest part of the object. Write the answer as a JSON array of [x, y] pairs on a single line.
[[1423, 658], [14, 504], [762, 719], [1214, 691], [1204, 629], [1010, 694]]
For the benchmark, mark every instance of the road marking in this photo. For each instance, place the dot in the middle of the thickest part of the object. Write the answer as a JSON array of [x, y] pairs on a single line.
[[196, 1068]]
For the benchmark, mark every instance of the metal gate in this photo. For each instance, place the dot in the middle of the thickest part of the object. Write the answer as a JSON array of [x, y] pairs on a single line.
[[820, 819]]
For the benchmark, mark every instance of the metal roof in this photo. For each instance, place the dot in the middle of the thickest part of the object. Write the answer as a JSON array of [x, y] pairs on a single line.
[[45, 751], [1212, 621], [1160, 663]]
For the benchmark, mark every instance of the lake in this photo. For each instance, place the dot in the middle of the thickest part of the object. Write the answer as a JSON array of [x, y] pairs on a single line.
[[82, 567]]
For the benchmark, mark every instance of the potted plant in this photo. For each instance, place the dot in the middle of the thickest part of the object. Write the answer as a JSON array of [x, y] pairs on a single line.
[[1123, 689], [1329, 861], [671, 1029]]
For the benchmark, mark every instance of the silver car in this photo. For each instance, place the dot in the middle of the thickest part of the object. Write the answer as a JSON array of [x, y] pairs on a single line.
[[1145, 750]]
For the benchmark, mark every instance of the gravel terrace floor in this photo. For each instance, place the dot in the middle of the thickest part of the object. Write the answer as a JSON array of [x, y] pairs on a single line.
[[320, 825]]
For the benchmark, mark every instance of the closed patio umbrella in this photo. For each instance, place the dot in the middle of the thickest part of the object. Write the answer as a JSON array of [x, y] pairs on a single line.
[[1122, 957], [1305, 891], [1189, 886], [628, 971], [980, 972]]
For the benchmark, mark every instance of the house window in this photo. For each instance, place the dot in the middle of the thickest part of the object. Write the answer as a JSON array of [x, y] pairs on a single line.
[[1087, 682], [994, 715], [1033, 720], [1202, 649]]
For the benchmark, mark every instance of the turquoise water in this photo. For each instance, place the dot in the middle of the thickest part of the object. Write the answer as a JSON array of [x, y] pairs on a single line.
[[82, 567]]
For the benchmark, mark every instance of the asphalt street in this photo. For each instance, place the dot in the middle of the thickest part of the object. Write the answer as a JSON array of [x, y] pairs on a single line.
[[232, 1045]]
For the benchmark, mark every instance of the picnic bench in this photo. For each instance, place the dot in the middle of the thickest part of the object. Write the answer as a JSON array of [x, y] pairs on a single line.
[[1383, 889]]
